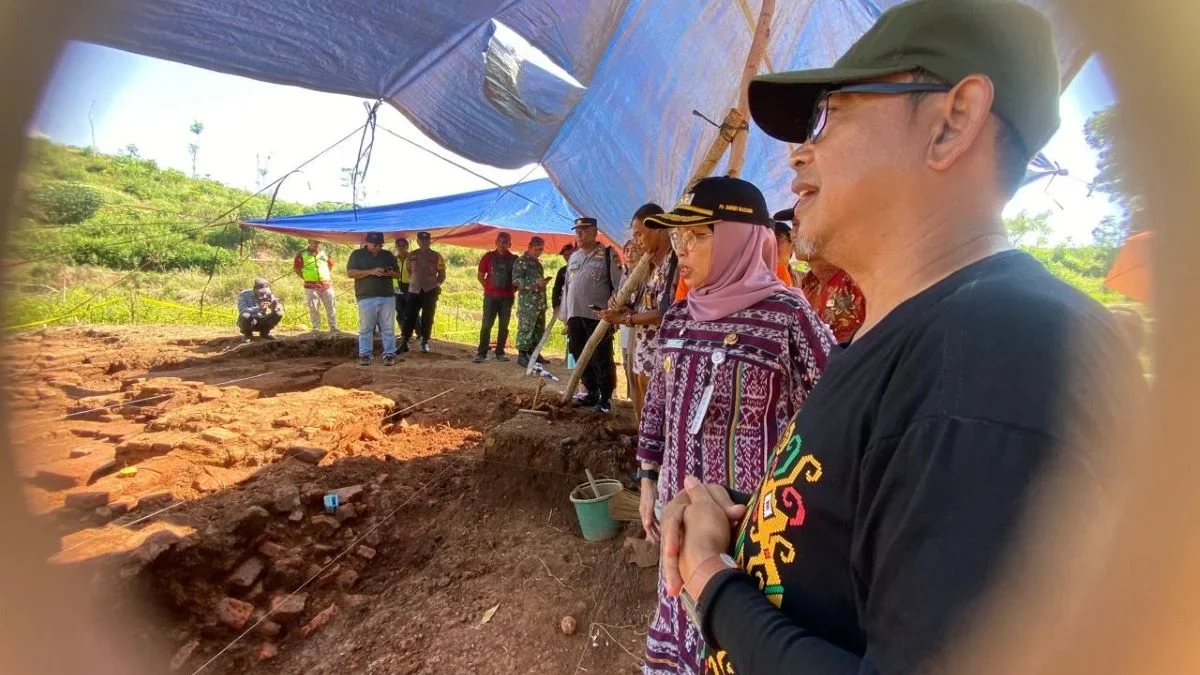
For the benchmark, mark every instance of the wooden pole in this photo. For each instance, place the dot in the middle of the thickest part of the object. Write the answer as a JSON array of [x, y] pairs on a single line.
[[758, 47], [636, 276], [537, 351], [732, 129]]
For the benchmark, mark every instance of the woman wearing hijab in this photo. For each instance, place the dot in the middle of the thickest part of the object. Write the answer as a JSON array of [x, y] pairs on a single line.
[[736, 360]]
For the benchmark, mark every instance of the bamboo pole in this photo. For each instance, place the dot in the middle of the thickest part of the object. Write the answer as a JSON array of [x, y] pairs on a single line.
[[758, 47], [636, 276], [537, 351], [732, 129]]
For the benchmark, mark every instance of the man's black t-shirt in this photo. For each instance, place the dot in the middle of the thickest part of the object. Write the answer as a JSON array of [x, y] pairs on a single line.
[[897, 490], [372, 287]]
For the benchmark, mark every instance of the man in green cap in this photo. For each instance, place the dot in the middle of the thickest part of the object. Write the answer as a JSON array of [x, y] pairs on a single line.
[[897, 491]]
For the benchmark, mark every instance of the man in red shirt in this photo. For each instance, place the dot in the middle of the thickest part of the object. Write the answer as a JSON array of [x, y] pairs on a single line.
[[496, 276], [831, 292]]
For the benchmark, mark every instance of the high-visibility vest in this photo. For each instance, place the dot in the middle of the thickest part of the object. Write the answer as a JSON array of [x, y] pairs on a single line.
[[316, 266], [403, 278]]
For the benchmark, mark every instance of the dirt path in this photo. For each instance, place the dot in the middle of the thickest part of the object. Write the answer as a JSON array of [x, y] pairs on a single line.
[[188, 475]]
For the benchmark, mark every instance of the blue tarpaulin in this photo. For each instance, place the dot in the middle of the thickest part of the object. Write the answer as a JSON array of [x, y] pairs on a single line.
[[468, 219], [614, 129]]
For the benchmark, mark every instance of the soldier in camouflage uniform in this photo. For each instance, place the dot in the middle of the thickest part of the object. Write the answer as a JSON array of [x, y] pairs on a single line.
[[530, 280]]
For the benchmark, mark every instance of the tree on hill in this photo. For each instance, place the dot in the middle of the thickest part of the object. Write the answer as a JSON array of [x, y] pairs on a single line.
[[197, 128]]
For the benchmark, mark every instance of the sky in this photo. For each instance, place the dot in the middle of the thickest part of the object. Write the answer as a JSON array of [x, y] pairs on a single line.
[[112, 99]]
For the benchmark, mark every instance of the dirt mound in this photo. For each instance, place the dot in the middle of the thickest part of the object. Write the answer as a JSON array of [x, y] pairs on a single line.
[[559, 451], [190, 482]]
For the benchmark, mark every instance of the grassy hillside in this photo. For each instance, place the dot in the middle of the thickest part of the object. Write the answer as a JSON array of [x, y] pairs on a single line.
[[117, 239]]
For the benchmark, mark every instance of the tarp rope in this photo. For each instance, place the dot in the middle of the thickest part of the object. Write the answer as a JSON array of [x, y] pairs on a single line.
[[506, 188], [362, 160], [215, 221]]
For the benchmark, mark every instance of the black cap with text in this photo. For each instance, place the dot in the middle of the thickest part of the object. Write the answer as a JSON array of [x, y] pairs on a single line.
[[716, 199]]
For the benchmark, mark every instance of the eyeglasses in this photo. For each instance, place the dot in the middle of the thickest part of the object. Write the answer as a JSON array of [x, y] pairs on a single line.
[[686, 241], [820, 114]]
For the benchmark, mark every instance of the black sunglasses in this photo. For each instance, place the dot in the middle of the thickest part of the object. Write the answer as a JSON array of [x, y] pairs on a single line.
[[820, 113]]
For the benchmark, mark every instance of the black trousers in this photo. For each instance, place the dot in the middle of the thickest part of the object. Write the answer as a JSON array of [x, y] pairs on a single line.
[[423, 304], [599, 377], [263, 324], [493, 308], [401, 305]]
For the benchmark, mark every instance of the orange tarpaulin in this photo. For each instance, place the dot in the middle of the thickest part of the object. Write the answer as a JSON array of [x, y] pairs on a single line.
[[1130, 272]]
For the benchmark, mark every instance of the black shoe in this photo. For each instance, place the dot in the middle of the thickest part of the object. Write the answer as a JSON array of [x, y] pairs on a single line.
[[501, 357], [425, 347], [389, 359], [245, 339], [479, 358], [603, 407], [584, 401], [542, 360], [523, 360], [403, 349], [365, 359]]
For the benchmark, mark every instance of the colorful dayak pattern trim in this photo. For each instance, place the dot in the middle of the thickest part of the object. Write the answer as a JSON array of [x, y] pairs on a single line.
[[760, 547]]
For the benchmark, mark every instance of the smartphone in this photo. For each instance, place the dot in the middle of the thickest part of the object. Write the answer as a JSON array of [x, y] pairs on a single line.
[[596, 308]]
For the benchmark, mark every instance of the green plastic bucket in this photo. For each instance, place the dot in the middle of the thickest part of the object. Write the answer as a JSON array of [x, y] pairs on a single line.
[[592, 512]]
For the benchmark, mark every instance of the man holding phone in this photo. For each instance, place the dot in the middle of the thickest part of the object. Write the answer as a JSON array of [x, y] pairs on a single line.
[[372, 268], [531, 281], [593, 276]]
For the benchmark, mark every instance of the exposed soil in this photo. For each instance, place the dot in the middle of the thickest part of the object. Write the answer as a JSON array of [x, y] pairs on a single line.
[[189, 476]]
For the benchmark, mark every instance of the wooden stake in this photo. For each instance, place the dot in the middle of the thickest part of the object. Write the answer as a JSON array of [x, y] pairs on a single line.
[[636, 276], [537, 351], [733, 130]]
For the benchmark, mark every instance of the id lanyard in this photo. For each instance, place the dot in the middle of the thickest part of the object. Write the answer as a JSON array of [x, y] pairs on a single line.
[[697, 419]]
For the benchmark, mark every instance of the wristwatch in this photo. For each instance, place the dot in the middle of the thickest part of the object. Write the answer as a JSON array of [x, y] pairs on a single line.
[[646, 473], [689, 598]]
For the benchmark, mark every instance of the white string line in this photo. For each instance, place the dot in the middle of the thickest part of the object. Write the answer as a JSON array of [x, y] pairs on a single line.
[[454, 461], [420, 403], [339, 556], [129, 403], [126, 526], [596, 615], [594, 634]]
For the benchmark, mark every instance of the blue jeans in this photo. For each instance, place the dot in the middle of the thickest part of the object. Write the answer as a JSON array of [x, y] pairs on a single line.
[[376, 312]]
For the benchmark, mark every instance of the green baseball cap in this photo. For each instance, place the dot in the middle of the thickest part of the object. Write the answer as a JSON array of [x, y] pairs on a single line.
[[1006, 40]]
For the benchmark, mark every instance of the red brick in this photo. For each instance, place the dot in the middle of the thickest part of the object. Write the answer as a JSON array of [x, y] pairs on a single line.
[[320, 620], [247, 573], [233, 612], [270, 549], [286, 609]]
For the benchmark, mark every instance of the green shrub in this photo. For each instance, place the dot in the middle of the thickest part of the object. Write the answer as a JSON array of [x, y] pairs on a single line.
[[63, 203]]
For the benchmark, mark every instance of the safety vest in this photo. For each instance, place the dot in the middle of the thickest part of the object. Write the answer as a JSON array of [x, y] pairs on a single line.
[[403, 278], [316, 267]]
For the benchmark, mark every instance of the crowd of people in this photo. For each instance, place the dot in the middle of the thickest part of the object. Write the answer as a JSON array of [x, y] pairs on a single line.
[[835, 461]]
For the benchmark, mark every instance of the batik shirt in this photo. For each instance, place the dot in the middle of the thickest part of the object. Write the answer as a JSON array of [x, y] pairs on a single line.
[[760, 364], [647, 336], [838, 301]]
